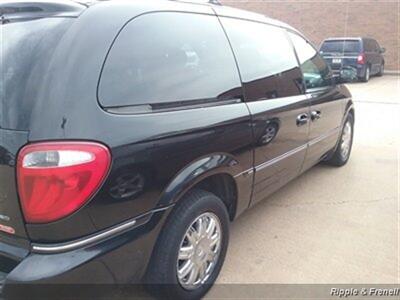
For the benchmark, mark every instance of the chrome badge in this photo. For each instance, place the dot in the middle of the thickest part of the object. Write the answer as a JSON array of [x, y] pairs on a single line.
[[4, 218]]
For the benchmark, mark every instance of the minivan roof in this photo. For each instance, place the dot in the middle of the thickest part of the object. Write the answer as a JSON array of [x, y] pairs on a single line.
[[15, 9]]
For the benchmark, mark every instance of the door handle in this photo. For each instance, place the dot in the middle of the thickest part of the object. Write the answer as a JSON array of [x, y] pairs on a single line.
[[302, 119], [315, 115]]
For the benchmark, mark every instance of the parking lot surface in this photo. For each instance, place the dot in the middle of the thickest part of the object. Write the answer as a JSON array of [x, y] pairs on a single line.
[[331, 225]]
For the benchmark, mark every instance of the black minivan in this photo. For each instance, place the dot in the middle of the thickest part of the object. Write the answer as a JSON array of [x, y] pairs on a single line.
[[354, 58], [133, 132]]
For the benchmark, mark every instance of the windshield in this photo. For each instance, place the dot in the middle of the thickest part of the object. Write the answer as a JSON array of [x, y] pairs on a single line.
[[341, 46], [25, 52]]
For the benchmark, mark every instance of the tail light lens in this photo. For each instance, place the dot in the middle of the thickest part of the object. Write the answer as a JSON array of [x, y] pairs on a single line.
[[56, 179], [361, 59]]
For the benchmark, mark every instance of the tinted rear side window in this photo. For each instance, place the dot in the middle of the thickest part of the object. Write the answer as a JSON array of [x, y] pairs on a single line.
[[341, 46], [163, 59], [370, 45], [266, 59], [375, 46], [25, 52], [367, 45]]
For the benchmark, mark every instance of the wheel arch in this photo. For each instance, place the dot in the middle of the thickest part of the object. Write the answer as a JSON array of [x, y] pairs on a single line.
[[224, 187], [349, 110], [214, 173]]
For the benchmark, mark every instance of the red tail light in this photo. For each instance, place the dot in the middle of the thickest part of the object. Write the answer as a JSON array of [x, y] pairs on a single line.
[[56, 179], [361, 59]]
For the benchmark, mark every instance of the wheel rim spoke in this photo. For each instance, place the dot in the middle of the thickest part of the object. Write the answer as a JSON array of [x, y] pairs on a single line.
[[210, 256], [191, 235], [185, 253], [214, 240], [211, 228], [202, 271], [194, 274], [200, 227], [186, 268]]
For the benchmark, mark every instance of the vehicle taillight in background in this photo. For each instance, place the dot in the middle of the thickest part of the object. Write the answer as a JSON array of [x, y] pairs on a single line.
[[361, 59], [57, 178]]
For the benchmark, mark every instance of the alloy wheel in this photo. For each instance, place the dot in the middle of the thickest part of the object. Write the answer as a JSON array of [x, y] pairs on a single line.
[[367, 74], [346, 140], [199, 251]]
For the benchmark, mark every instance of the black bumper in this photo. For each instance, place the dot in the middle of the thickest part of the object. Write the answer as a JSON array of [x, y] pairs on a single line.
[[118, 259], [349, 72], [2, 279]]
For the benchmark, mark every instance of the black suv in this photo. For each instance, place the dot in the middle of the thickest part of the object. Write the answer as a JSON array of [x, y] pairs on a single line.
[[354, 58], [133, 132]]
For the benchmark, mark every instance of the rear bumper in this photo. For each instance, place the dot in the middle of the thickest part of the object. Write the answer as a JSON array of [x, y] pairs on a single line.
[[116, 259], [349, 72], [2, 279]]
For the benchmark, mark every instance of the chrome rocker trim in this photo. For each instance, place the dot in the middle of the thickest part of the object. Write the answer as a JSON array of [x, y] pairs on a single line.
[[68, 246]]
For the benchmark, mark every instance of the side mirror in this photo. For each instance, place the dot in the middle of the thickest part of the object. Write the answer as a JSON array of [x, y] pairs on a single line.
[[382, 50]]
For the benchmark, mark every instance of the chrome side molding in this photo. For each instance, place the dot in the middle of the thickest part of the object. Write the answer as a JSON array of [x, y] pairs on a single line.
[[118, 229]]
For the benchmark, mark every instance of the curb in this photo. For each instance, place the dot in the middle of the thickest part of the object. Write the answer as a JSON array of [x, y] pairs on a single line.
[[389, 72]]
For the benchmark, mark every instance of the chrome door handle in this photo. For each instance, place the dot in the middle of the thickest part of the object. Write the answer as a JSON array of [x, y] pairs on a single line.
[[302, 119], [315, 115]]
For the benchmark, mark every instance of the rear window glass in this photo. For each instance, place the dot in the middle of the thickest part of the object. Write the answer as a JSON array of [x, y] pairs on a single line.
[[25, 52], [162, 59], [341, 46]]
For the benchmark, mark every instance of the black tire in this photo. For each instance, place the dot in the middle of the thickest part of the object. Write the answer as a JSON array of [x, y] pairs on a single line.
[[367, 74], [337, 158], [161, 279], [381, 70]]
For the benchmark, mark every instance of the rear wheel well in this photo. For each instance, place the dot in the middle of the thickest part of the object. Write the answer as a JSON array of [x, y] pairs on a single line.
[[224, 187]]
